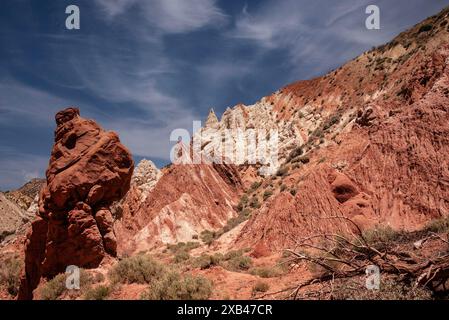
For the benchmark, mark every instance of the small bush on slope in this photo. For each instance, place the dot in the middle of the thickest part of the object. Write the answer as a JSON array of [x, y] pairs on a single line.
[[260, 286], [54, 288], [266, 272], [137, 269], [10, 274], [232, 261], [181, 250], [438, 225], [172, 286], [100, 292]]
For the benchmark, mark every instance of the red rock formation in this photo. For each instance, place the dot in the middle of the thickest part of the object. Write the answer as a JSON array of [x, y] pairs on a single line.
[[384, 160], [89, 169], [187, 199]]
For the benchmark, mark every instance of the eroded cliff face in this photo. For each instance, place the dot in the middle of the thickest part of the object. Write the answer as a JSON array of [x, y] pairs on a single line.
[[377, 153], [89, 169], [186, 200]]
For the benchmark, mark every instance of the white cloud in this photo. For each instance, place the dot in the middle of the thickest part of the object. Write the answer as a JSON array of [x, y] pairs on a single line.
[[169, 16], [17, 168], [113, 8], [22, 103], [311, 32]]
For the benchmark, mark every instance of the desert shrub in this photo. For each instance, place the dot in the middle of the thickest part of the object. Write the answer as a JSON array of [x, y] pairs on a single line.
[[438, 225], [260, 286], [203, 262], [381, 236], [183, 246], [389, 290], [243, 202], [233, 222], [304, 159], [295, 153], [238, 263], [181, 250], [267, 194], [282, 171], [283, 187], [100, 292], [425, 28], [332, 121], [293, 192], [175, 287], [10, 274], [254, 203], [137, 269], [265, 272], [255, 186], [208, 236], [207, 261], [233, 260], [246, 213], [54, 288], [318, 133], [181, 256]]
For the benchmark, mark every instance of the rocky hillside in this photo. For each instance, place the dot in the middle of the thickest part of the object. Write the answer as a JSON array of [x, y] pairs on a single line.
[[362, 178], [367, 141], [186, 200], [12, 217], [26, 195]]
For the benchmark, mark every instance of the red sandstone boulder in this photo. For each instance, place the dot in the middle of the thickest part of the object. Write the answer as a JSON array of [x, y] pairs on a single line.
[[89, 169]]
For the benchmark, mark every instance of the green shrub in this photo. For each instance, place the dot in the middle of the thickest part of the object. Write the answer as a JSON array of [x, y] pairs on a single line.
[[238, 263], [425, 28], [282, 171], [260, 286], [207, 261], [267, 194], [208, 236], [174, 287], [381, 236], [255, 186], [137, 269], [304, 159], [183, 246], [295, 153], [10, 274], [243, 202], [266, 272], [54, 288], [438, 225], [181, 250], [181, 256], [100, 292], [332, 121], [254, 203]]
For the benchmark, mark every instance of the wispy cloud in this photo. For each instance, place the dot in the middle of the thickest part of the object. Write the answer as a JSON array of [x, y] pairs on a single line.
[[21, 103], [169, 16], [17, 168], [314, 32]]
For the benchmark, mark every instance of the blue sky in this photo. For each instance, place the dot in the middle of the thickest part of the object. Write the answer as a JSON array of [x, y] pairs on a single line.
[[144, 68]]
